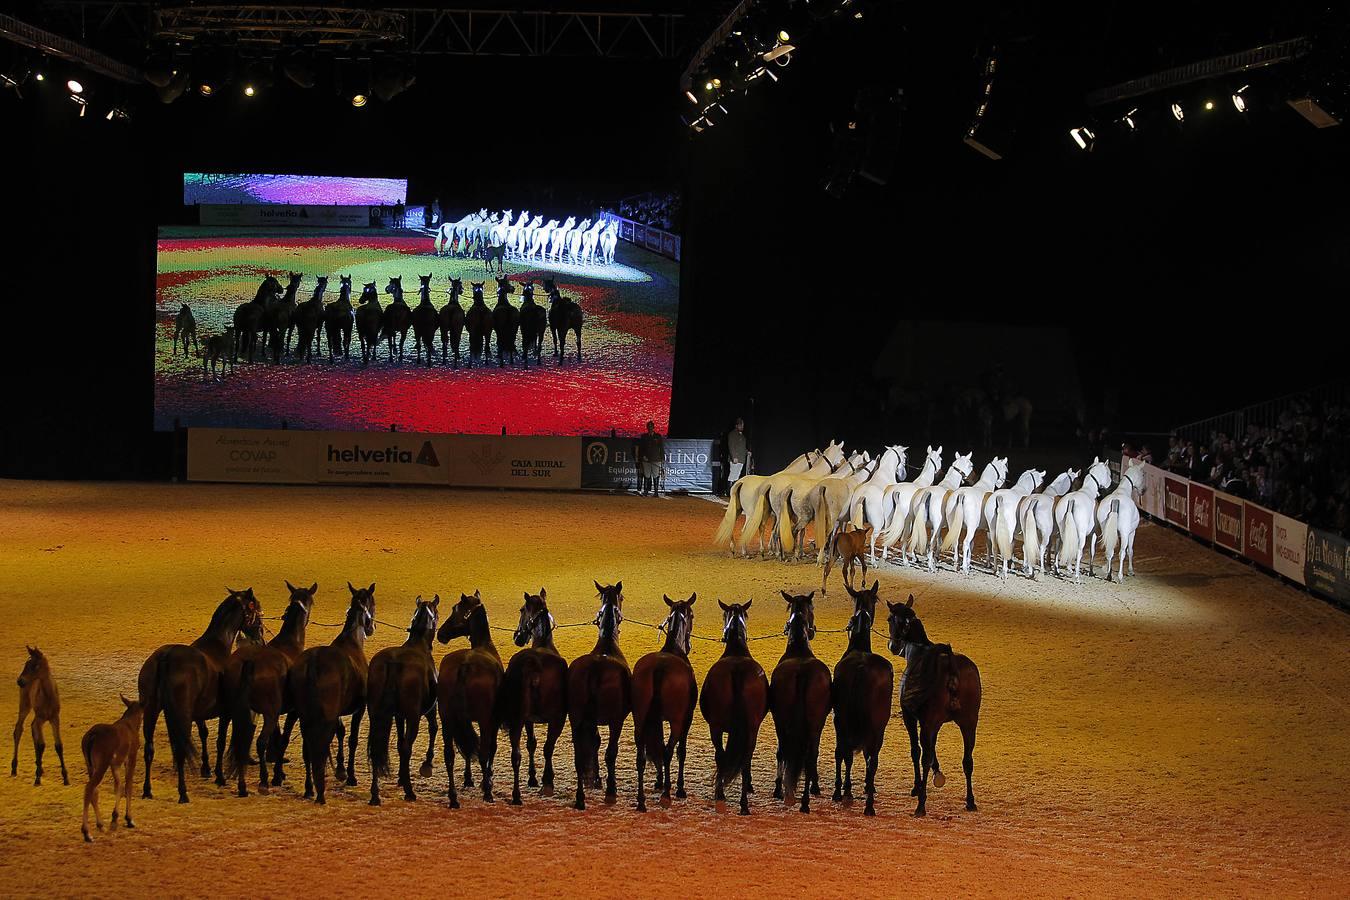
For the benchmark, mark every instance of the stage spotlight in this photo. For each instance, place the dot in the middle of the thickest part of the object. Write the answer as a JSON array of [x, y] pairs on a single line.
[[1178, 113], [38, 76], [1083, 137], [717, 84], [206, 89], [118, 112], [690, 95], [249, 91], [782, 37], [359, 100], [1209, 104], [13, 79], [1128, 120], [1240, 102], [74, 86], [177, 86], [781, 54], [81, 102]]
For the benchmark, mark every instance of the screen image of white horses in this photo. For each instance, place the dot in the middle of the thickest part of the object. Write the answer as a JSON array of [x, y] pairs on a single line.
[[481, 323]]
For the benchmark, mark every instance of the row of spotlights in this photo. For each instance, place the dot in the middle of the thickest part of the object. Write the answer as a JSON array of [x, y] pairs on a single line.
[[1083, 136]]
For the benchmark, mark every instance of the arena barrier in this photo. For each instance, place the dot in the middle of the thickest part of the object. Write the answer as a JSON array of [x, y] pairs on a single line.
[[1308, 556], [649, 236], [535, 462], [290, 215]]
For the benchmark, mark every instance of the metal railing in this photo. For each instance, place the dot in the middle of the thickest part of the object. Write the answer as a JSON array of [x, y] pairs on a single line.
[[1234, 424]]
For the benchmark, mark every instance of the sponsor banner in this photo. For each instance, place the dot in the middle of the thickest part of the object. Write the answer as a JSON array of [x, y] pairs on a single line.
[[626, 230], [239, 214], [1175, 496], [609, 464], [1155, 496], [345, 457], [668, 246], [640, 234], [677, 248], [1228, 521], [249, 455], [1202, 511], [1326, 564], [1258, 527], [652, 238], [514, 461], [1291, 544]]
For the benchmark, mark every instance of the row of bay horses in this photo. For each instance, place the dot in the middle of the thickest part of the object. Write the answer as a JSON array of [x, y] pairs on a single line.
[[274, 316], [495, 237], [249, 687], [926, 516]]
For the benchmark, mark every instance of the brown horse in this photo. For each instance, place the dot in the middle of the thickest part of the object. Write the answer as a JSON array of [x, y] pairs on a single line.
[[255, 682], [664, 690], [108, 747], [402, 689], [734, 702], [451, 321], [938, 686], [599, 693], [183, 682], [862, 699], [478, 320], [534, 691], [37, 693], [850, 546], [799, 697], [327, 683], [467, 694], [184, 328]]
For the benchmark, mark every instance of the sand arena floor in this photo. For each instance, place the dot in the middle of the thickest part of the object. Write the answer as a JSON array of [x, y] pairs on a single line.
[[1187, 731]]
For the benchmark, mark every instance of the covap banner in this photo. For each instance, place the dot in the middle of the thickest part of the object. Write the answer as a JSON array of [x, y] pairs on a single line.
[[245, 455]]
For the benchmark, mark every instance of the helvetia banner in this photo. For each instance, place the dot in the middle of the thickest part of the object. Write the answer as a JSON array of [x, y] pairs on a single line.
[[291, 216], [248, 455], [345, 457], [609, 464]]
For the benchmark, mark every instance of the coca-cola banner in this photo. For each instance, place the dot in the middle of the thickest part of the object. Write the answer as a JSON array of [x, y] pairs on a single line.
[[1202, 511], [1327, 564], [1175, 495], [1258, 543], [1291, 545], [1228, 522]]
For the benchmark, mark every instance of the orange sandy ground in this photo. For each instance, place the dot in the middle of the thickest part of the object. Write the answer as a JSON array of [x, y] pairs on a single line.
[[1185, 732]]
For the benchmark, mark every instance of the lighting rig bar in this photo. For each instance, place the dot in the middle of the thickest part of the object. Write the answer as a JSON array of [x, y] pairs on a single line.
[[56, 45], [1203, 70], [319, 25]]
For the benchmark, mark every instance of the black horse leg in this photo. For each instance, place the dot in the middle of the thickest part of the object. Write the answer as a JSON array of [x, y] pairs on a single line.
[[871, 787], [968, 762], [340, 765], [425, 771], [405, 756], [448, 743], [912, 726], [351, 744], [550, 741], [222, 725], [206, 756], [530, 744], [719, 794], [640, 740], [745, 790], [928, 744], [487, 757], [514, 736], [679, 787], [148, 729]]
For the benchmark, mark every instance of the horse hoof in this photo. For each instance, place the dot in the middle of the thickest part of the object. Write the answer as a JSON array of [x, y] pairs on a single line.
[[806, 809], [580, 804], [374, 801], [145, 794], [744, 811], [680, 794], [87, 838], [409, 797], [971, 807], [939, 779], [666, 801], [920, 813], [454, 804], [546, 791], [869, 811], [322, 801], [533, 782], [611, 798], [243, 792], [351, 781], [183, 798], [641, 806], [778, 793], [838, 797], [129, 823], [516, 801], [65, 779], [425, 771]]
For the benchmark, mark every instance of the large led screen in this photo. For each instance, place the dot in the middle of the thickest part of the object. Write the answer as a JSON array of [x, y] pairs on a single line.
[[313, 190]]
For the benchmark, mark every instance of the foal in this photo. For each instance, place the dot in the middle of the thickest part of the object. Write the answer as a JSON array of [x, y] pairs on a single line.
[[108, 747], [37, 693]]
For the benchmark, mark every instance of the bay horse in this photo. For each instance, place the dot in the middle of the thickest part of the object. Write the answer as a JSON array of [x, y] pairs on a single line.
[[505, 322], [337, 320], [248, 317], [327, 683], [800, 700], [734, 702], [110, 748], [396, 317], [369, 320], [401, 689], [493, 253], [467, 694], [938, 686], [564, 315], [219, 349], [451, 321], [183, 682], [599, 693], [38, 695], [533, 691], [277, 319], [184, 327], [862, 699], [479, 322], [255, 682], [665, 690], [425, 320], [533, 324], [307, 320]]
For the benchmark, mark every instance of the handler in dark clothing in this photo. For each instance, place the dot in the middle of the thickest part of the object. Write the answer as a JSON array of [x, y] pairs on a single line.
[[651, 459], [738, 450]]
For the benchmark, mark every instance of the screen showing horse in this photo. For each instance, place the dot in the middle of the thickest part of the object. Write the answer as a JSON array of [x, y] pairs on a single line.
[[313, 190], [538, 323]]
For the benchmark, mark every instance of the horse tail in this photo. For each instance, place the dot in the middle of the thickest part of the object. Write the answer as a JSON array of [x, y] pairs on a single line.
[[894, 526], [242, 717], [737, 754], [652, 729], [858, 514], [1031, 542], [784, 523], [918, 538], [955, 522], [793, 747], [1002, 531], [440, 232], [1068, 535], [316, 731], [827, 522], [754, 517], [1109, 529], [381, 718], [728, 526], [177, 721]]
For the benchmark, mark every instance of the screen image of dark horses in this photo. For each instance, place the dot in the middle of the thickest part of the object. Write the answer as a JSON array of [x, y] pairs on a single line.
[[461, 329]]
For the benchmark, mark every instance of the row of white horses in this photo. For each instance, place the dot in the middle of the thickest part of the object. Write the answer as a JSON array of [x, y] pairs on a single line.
[[927, 516], [532, 239]]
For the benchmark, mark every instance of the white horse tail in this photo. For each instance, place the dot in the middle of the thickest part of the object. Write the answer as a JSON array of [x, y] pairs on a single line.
[[1031, 543], [754, 516], [728, 526], [955, 522], [859, 516], [918, 538], [1068, 536], [894, 526], [1109, 530], [1001, 532], [785, 524], [827, 522], [440, 232]]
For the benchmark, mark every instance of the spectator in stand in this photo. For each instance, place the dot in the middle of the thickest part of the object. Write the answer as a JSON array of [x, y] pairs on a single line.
[[1146, 455]]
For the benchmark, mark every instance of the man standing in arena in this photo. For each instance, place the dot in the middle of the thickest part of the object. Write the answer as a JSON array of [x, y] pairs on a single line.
[[738, 450], [651, 459]]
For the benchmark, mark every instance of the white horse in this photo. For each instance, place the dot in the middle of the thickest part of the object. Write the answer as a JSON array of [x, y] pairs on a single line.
[[897, 501], [833, 508], [779, 495], [962, 509], [511, 229], [1074, 515], [449, 232], [589, 240], [525, 236], [1000, 516], [926, 509], [497, 233], [1118, 520], [807, 499], [539, 240], [866, 502], [750, 495], [1037, 518], [574, 238], [609, 238], [558, 240]]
